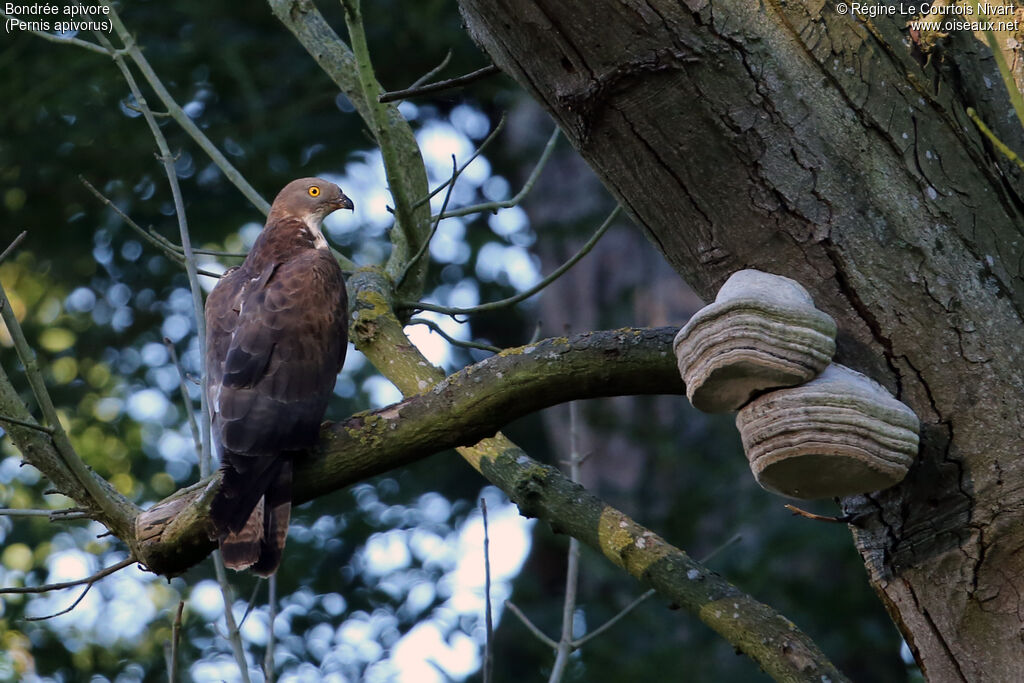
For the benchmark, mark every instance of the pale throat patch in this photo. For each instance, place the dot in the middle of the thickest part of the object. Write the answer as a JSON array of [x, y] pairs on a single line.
[[313, 224]]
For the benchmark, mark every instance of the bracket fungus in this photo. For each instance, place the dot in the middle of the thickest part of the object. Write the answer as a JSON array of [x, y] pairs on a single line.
[[838, 435], [762, 332]]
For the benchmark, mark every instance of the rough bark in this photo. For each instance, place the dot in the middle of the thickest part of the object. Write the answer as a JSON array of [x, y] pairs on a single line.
[[784, 137]]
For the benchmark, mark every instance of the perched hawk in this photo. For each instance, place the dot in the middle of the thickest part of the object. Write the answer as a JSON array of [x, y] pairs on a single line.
[[276, 334]]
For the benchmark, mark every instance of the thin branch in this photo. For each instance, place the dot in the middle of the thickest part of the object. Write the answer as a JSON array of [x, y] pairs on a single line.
[[109, 501], [172, 676], [26, 423], [180, 117], [452, 340], [53, 515], [572, 570], [456, 82], [268, 657], [540, 635], [844, 519], [46, 588], [433, 72], [488, 653], [633, 605], [999, 144], [409, 234], [152, 238], [13, 245], [735, 538], [577, 644], [479, 150], [158, 114], [522, 296], [549, 147], [169, 249], [66, 609], [179, 210], [233, 635], [186, 400], [165, 156], [252, 602], [173, 109], [433, 229]]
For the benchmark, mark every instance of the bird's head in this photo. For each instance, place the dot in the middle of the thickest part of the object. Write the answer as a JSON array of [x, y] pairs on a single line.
[[309, 200]]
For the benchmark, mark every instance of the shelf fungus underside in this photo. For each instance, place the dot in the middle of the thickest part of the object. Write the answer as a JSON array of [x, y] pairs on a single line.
[[840, 434]]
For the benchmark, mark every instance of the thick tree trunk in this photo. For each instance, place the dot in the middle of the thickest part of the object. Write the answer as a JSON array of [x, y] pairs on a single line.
[[785, 137]]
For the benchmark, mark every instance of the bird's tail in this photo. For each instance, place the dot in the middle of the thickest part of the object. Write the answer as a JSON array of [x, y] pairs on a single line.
[[250, 514]]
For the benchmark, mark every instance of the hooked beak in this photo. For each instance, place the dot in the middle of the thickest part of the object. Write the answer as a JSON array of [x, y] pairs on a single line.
[[343, 202]]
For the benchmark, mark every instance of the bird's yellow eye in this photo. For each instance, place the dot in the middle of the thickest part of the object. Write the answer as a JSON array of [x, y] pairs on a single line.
[[314, 191]]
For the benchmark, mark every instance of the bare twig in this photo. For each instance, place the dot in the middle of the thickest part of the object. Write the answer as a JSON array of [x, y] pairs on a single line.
[[268, 657], [572, 571], [479, 150], [999, 144], [168, 161], [66, 609], [457, 82], [522, 296], [173, 109], [735, 538], [633, 605], [109, 501], [409, 233], [158, 114], [26, 423], [53, 515], [169, 249], [452, 340], [433, 72], [540, 635], [186, 400], [167, 158], [433, 229], [233, 635], [844, 519], [13, 245], [252, 602], [172, 674], [488, 654], [46, 588], [527, 186], [614, 620], [179, 115]]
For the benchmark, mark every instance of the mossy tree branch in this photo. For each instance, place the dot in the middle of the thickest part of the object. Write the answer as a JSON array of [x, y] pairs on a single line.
[[467, 406], [352, 72], [542, 491], [473, 403]]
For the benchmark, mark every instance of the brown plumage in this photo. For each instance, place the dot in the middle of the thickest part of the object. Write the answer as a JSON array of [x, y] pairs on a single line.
[[276, 334]]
